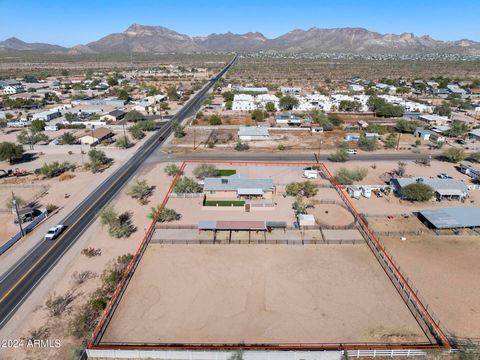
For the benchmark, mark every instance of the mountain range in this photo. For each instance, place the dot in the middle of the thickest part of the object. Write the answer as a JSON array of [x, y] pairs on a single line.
[[158, 39]]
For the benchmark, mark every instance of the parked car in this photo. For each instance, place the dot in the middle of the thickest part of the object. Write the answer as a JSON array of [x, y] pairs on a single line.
[[444, 176], [54, 232], [352, 152]]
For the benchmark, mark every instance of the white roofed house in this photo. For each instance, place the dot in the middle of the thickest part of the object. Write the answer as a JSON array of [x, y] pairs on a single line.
[[46, 115], [10, 87], [253, 133], [238, 187], [243, 102], [434, 120], [443, 188], [290, 90]]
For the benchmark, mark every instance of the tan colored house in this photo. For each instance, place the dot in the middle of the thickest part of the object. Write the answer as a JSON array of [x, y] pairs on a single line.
[[95, 136]]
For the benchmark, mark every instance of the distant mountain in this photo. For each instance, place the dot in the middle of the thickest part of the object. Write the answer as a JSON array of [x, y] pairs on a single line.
[[16, 44], [145, 39], [158, 39]]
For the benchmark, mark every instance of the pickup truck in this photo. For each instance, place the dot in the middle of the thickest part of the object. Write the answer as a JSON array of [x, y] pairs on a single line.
[[54, 232]]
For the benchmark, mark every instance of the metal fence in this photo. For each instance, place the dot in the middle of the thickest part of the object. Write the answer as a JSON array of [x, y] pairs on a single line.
[[429, 322], [185, 195], [10, 242]]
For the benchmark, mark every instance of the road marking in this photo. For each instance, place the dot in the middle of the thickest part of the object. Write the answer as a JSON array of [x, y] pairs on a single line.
[[62, 236]]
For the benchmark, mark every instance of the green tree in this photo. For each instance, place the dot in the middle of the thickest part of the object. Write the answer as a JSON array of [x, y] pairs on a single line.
[[37, 125], [202, 171], [348, 177], [406, 126], [288, 102], [258, 115], [10, 151], [164, 215], [303, 188], [139, 190], [457, 128], [111, 81], [147, 125], [228, 96], [391, 141], [417, 192], [123, 94], [29, 137], [178, 130], [341, 155], [300, 205], [119, 226], [228, 105], [55, 168], [443, 109], [171, 169], [367, 144], [215, 120], [136, 132], [68, 138], [454, 155], [475, 156], [172, 93], [384, 109], [347, 105], [134, 116], [186, 185], [124, 142], [335, 119], [270, 107], [98, 159]]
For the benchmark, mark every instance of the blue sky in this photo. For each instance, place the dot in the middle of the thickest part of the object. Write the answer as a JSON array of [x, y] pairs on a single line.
[[73, 22]]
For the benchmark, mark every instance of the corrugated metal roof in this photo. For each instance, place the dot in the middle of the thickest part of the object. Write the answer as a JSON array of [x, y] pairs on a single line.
[[252, 131], [240, 225], [436, 184], [450, 218], [235, 182]]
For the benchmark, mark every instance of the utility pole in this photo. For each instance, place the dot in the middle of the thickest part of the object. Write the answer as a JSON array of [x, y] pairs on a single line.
[[124, 133], [398, 140], [194, 139], [319, 147], [14, 202]]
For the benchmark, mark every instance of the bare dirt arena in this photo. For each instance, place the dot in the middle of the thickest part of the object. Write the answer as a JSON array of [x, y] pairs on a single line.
[[268, 294]]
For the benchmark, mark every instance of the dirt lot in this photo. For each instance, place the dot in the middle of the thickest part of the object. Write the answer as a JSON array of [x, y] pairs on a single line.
[[445, 270], [261, 294]]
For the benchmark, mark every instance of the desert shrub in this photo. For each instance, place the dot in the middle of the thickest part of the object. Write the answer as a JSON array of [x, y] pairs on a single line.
[[58, 305], [55, 168], [215, 120], [171, 169], [417, 192], [178, 130], [205, 170], [136, 132], [51, 208], [454, 155], [124, 142], [80, 277], [66, 176], [41, 333], [341, 155], [119, 226], [165, 215], [98, 160], [19, 201], [348, 177], [367, 144], [241, 146], [186, 185], [139, 190], [91, 252], [303, 188]]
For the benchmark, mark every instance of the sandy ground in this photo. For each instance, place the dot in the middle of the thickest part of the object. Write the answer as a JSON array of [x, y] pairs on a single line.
[[261, 294], [33, 314], [445, 270]]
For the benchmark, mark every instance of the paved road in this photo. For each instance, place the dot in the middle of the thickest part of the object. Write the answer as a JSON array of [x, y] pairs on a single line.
[[17, 283], [251, 156]]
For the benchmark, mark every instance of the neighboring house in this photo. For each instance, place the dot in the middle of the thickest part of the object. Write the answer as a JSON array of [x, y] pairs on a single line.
[[10, 87], [469, 170], [451, 218], [356, 87], [306, 220], [46, 115], [253, 133], [110, 101], [290, 90], [238, 187], [423, 134], [434, 120], [243, 102], [286, 118], [252, 89], [95, 136], [115, 115], [352, 137], [443, 188], [474, 135], [371, 136]]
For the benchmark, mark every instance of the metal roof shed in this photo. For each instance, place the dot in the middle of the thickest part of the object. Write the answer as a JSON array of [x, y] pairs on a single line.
[[451, 218]]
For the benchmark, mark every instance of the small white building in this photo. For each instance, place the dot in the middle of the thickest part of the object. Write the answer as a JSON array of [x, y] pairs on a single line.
[[306, 220], [434, 120], [253, 133], [46, 115], [290, 90]]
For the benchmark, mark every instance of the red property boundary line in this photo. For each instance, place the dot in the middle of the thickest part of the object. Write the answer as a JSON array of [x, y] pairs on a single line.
[[146, 238]]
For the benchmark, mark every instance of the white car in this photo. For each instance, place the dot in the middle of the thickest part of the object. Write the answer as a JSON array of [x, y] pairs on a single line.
[[352, 152], [54, 232]]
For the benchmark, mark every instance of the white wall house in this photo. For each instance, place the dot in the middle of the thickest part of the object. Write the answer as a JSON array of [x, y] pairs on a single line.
[[253, 133], [262, 100], [46, 115], [10, 87], [243, 102]]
